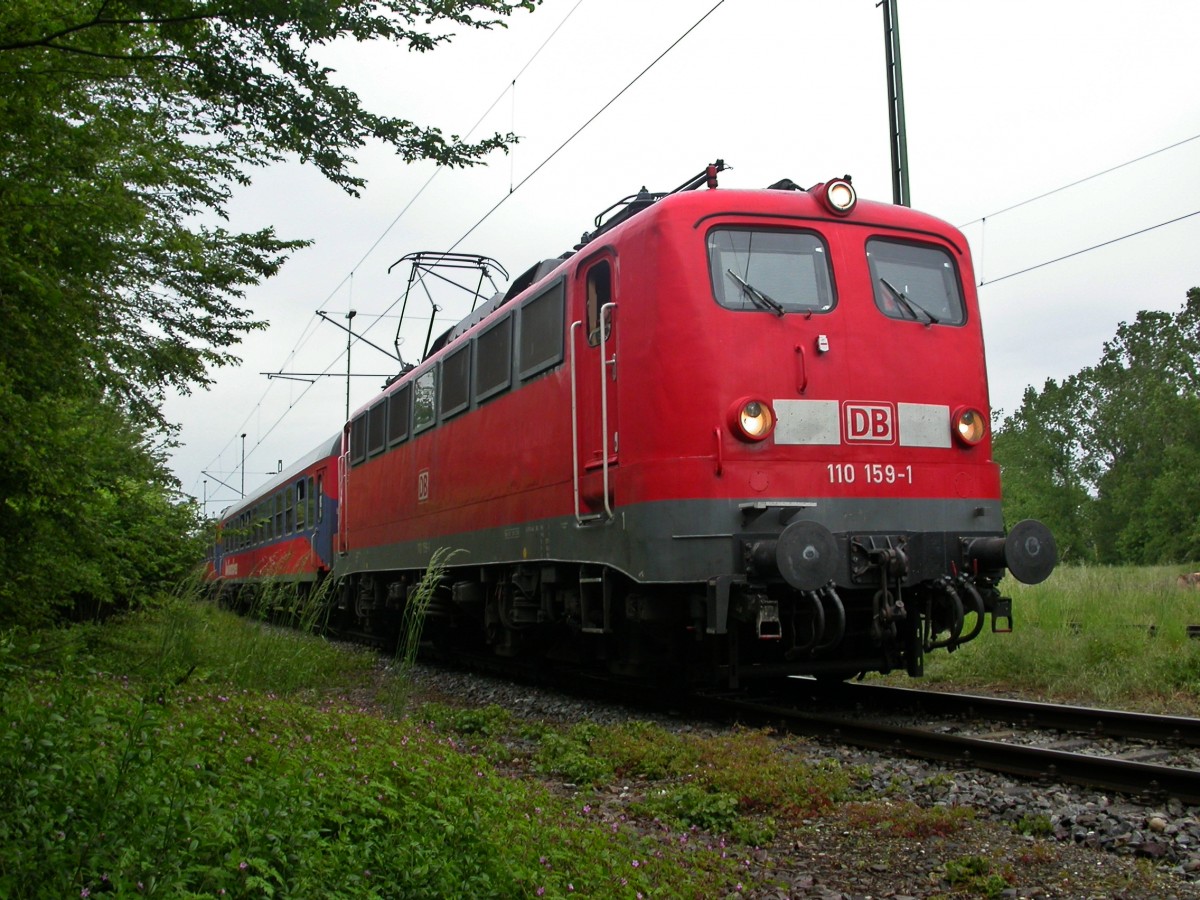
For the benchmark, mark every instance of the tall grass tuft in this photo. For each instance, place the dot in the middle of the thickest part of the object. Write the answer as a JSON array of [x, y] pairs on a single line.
[[412, 625]]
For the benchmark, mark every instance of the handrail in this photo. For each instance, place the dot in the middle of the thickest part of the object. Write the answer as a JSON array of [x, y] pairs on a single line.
[[575, 423], [343, 504], [604, 363]]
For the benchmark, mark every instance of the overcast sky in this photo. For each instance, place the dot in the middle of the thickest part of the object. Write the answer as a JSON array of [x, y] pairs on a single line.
[[1005, 101]]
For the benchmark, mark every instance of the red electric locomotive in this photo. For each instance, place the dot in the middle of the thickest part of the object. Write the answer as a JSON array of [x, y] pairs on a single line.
[[737, 433], [285, 530]]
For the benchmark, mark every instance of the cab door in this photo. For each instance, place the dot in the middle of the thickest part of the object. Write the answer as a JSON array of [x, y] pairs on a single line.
[[594, 371]]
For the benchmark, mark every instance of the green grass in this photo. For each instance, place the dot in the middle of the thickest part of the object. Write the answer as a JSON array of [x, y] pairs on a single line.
[[188, 752], [1096, 635]]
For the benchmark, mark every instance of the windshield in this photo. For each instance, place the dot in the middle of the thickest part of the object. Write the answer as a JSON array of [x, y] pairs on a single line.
[[915, 282], [772, 271]]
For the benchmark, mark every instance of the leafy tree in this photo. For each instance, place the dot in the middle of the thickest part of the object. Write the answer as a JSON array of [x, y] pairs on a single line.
[[126, 126], [1040, 453], [1144, 415], [1109, 457]]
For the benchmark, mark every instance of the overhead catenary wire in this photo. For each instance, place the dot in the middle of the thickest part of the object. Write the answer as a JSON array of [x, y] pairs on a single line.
[[1080, 181], [310, 329], [1089, 249], [590, 120], [559, 148]]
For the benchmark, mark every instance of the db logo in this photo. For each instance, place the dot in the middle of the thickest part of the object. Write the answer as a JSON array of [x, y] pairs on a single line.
[[422, 485], [870, 422]]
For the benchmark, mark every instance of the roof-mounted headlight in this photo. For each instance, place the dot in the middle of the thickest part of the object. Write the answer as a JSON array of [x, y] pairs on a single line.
[[839, 195]]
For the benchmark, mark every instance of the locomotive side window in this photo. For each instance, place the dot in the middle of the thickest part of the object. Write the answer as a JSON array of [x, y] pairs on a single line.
[[776, 271], [493, 360], [376, 427], [398, 415], [358, 439], [541, 332], [915, 282], [424, 400], [456, 381], [599, 292]]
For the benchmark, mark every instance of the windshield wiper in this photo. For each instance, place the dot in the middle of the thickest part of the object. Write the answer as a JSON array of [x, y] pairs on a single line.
[[910, 305], [756, 296]]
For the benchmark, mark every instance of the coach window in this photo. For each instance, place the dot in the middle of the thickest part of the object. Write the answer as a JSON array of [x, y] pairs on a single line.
[[398, 404], [456, 381], [540, 341], [770, 271], [915, 282], [493, 360], [312, 504], [424, 400], [599, 292], [358, 439], [279, 514], [301, 505], [320, 497]]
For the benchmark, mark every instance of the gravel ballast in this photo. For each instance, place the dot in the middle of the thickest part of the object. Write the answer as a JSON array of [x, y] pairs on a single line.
[[1078, 843]]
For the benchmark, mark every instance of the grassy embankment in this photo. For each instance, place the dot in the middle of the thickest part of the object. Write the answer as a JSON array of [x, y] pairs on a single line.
[[187, 752], [1094, 635]]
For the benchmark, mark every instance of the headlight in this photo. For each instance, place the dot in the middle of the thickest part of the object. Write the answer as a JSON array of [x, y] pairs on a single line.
[[752, 420], [840, 196], [970, 426]]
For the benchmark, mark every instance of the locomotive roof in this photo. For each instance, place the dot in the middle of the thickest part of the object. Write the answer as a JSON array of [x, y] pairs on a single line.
[[732, 201]]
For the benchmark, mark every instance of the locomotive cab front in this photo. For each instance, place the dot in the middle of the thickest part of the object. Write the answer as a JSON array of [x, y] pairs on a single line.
[[820, 362]]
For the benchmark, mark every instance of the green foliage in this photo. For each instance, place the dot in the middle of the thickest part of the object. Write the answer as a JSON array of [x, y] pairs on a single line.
[[1034, 826], [1108, 457], [488, 721], [974, 874], [691, 806], [125, 127], [89, 518], [127, 782], [571, 756]]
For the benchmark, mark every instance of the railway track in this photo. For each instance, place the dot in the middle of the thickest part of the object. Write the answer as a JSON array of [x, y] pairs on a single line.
[[1139, 754]]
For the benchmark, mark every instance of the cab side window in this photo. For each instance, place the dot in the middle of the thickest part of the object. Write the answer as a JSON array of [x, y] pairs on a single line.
[[599, 292]]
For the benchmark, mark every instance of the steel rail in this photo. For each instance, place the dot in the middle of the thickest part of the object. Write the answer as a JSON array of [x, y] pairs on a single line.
[[1028, 713], [1101, 772]]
